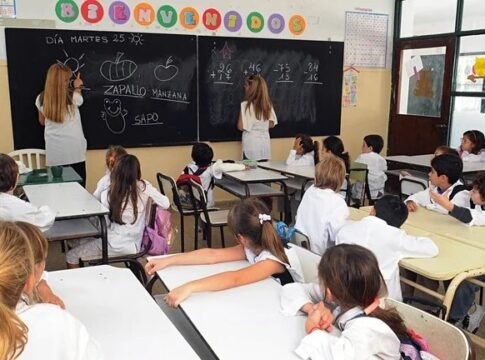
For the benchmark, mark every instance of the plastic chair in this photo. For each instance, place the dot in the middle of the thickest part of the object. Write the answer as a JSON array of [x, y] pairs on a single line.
[[301, 240], [30, 154], [358, 174], [165, 183], [409, 186], [212, 218], [309, 263], [445, 341]]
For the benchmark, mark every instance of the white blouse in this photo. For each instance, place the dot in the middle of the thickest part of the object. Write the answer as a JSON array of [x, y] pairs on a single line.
[[256, 143], [300, 160], [294, 266], [65, 142]]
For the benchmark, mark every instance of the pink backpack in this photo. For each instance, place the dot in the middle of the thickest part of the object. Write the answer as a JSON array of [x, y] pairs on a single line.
[[158, 230]]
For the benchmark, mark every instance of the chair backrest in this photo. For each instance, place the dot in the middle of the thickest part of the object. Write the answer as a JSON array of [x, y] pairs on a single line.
[[32, 158], [169, 189], [445, 341], [309, 263], [358, 179], [198, 197], [301, 239], [410, 185]]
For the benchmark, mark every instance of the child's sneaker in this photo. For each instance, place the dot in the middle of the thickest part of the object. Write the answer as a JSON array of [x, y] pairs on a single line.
[[475, 317]]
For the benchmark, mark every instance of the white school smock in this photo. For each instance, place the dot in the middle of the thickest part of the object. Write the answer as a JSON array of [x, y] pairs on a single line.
[[422, 198], [65, 142], [322, 212], [55, 334], [294, 267], [14, 209], [126, 238], [361, 338], [389, 244], [214, 171], [377, 167], [469, 157], [256, 144], [102, 185], [478, 216], [294, 159]]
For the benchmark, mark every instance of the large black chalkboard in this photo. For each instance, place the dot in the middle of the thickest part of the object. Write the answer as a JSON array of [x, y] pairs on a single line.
[[304, 78], [141, 89]]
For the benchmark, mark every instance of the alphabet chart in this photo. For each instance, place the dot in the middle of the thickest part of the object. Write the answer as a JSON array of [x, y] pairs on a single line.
[[365, 39], [7, 9]]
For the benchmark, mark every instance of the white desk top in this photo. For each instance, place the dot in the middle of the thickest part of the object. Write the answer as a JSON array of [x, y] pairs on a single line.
[[307, 171], [241, 323], [67, 200], [454, 257], [254, 176], [425, 161], [120, 314]]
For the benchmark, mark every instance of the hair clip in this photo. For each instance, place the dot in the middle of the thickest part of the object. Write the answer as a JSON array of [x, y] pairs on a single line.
[[263, 218]]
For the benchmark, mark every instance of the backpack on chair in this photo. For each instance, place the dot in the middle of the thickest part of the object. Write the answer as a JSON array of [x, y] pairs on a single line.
[[157, 235], [183, 185]]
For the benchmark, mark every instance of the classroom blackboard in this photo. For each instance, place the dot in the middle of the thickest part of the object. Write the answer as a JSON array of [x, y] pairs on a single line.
[[140, 88], [304, 78]]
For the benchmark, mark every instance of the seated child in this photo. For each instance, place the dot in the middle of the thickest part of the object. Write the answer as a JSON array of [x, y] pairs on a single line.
[[322, 211], [376, 164], [42, 292], [126, 198], [14, 209], [380, 233], [303, 152], [112, 154], [258, 244], [349, 282], [202, 155], [472, 146], [444, 179], [31, 330], [335, 146]]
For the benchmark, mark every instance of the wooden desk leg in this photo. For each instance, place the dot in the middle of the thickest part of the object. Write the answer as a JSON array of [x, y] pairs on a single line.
[[104, 238]]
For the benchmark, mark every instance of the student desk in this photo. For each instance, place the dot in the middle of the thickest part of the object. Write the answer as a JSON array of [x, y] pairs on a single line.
[[307, 172], [73, 206], [44, 176], [119, 314], [253, 182], [239, 323], [423, 163], [456, 261]]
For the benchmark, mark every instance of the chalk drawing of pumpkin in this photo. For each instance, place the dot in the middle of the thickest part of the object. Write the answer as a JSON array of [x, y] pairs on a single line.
[[118, 69], [114, 116]]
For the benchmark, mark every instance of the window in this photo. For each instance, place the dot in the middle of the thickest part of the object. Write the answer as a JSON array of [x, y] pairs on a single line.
[[468, 114], [473, 15], [426, 17]]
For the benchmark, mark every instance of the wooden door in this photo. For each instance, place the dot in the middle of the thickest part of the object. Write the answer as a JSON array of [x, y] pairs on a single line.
[[420, 104]]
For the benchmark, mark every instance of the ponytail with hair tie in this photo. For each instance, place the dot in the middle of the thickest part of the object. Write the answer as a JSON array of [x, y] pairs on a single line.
[[263, 218]]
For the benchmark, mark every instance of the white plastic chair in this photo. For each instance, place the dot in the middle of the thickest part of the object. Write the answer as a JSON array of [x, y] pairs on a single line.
[[445, 341], [30, 154], [410, 185], [309, 263]]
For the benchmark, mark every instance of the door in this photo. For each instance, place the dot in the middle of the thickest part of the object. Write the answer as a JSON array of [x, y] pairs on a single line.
[[420, 104]]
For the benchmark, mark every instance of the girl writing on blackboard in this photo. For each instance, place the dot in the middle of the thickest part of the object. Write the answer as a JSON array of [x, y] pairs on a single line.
[[58, 107], [256, 117]]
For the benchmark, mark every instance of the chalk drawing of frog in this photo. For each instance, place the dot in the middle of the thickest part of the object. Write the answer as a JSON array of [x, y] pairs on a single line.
[[114, 116]]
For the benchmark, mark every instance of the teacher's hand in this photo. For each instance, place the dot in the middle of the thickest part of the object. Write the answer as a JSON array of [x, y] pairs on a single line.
[[78, 81]]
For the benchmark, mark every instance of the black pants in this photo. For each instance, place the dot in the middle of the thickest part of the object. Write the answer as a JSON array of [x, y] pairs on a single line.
[[80, 168]]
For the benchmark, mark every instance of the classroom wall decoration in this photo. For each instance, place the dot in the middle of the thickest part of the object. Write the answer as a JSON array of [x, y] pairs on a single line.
[[189, 18], [365, 39]]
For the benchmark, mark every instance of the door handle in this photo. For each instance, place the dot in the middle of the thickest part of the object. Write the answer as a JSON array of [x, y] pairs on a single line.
[[441, 126]]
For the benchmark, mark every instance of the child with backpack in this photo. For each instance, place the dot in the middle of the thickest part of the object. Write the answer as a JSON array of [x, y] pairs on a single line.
[[203, 171], [113, 153]]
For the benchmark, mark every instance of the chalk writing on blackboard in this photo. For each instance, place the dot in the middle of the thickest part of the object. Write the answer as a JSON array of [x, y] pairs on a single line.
[[114, 115]]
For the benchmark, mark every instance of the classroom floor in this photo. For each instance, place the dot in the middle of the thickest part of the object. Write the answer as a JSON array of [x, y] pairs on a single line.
[[56, 261]]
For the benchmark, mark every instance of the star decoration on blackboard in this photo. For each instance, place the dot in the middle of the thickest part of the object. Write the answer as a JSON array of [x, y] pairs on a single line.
[[226, 52]]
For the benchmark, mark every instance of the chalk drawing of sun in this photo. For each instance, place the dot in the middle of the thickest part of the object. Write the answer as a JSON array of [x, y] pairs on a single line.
[[74, 63], [136, 39]]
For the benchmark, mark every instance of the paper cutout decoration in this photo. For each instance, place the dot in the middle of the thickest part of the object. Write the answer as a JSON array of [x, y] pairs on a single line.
[[424, 86], [350, 88], [478, 70], [414, 66]]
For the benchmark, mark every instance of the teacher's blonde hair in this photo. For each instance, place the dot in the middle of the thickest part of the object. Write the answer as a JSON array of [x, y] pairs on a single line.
[[257, 94], [56, 100], [17, 265]]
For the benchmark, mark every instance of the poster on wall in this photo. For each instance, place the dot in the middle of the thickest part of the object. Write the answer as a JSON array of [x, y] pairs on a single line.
[[365, 39], [350, 89], [7, 9]]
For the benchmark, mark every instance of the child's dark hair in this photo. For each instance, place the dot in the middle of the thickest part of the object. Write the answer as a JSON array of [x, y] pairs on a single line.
[[244, 219], [477, 139], [9, 171], [202, 154], [309, 145], [449, 165], [351, 273], [479, 184], [392, 210], [376, 141], [443, 149], [336, 147], [124, 188], [112, 154]]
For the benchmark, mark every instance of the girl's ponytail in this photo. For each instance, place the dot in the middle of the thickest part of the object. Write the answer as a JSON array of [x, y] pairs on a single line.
[[392, 318], [13, 333], [271, 242]]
